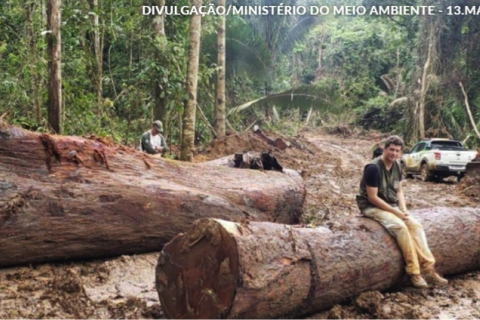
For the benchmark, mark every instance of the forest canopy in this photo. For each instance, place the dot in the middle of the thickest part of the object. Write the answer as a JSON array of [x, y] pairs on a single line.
[[415, 75]]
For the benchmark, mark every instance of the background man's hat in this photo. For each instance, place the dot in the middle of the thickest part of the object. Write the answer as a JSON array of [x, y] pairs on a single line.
[[158, 125]]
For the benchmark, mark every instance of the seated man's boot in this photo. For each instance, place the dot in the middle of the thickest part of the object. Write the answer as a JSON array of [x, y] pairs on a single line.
[[434, 278], [418, 281]]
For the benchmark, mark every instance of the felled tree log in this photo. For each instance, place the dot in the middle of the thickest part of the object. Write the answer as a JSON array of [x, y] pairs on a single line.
[[69, 197], [223, 269]]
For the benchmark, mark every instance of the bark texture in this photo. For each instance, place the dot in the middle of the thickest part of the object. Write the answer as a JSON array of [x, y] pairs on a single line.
[[55, 118], [70, 197], [189, 113], [224, 269], [220, 126]]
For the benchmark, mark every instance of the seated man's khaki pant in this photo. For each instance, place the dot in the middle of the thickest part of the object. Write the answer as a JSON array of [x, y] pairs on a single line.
[[410, 238]]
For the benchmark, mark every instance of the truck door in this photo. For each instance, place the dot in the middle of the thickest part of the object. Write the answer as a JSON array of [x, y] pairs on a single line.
[[410, 157], [418, 155]]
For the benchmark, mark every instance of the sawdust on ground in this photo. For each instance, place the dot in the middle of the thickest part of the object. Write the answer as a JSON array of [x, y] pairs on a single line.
[[331, 165]]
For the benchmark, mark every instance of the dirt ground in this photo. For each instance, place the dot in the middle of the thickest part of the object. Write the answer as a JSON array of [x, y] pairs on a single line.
[[331, 165]]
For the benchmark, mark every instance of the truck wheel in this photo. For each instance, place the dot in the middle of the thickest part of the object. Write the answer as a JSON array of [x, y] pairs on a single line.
[[424, 174]]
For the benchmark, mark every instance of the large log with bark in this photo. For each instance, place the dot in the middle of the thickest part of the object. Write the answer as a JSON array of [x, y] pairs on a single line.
[[69, 197], [224, 269]]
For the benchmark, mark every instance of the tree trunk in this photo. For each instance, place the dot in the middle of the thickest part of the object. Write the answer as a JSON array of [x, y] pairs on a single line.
[[34, 78], [319, 71], [97, 48], [54, 67], [180, 126], [188, 136], [71, 198], [222, 269], [159, 21], [399, 76], [160, 109], [220, 126], [423, 93], [44, 18]]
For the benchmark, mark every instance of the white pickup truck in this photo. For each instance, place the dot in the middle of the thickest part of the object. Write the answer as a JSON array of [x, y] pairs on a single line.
[[436, 159]]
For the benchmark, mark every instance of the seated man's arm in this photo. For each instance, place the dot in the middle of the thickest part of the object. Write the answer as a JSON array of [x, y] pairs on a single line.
[[382, 205], [401, 198], [147, 145], [372, 181]]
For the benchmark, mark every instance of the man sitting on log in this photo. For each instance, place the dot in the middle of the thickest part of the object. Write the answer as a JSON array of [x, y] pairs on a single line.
[[381, 198], [153, 142]]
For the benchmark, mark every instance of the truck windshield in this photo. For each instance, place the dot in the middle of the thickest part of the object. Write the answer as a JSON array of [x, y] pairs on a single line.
[[447, 145]]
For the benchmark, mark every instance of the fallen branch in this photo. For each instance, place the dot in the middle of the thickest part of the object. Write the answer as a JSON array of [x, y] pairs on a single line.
[[308, 116], [207, 122], [250, 126]]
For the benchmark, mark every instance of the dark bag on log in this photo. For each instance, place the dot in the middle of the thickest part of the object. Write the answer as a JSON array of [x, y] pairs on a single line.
[[251, 160]]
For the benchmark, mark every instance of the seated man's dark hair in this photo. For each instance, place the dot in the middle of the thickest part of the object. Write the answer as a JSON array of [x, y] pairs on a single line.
[[395, 140]]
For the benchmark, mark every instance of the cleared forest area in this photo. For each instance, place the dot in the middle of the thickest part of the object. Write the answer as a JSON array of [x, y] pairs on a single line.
[[115, 128], [331, 165]]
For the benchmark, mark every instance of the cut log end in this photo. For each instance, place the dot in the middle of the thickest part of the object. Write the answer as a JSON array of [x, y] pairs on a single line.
[[196, 275]]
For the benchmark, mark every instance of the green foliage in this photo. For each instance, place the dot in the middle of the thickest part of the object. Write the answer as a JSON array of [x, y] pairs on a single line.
[[272, 61], [359, 52], [378, 114]]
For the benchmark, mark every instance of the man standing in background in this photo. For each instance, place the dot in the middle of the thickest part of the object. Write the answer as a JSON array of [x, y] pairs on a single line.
[[153, 142]]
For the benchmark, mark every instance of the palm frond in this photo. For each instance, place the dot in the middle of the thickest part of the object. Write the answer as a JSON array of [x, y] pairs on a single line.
[[399, 101], [319, 97], [245, 53], [243, 57], [298, 31]]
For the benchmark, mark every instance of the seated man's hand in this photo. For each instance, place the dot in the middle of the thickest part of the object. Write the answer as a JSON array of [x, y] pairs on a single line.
[[164, 149], [402, 214]]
